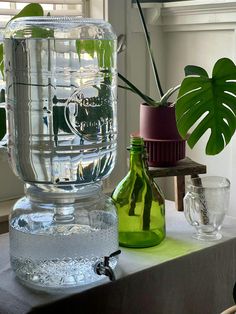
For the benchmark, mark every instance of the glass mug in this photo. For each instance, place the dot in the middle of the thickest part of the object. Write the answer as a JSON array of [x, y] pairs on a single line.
[[205, 206]]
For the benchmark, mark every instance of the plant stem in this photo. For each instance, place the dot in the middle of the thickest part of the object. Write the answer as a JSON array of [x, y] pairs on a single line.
[[147, 208], [167, 95], [135, 90], [148, 42]]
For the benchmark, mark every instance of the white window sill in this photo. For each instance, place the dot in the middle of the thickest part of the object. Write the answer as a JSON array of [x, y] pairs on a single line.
[[198, 6], [190, 12], [193, 3]]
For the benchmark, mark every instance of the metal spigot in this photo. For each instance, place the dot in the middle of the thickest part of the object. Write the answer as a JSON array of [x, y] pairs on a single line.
[[103, 268]]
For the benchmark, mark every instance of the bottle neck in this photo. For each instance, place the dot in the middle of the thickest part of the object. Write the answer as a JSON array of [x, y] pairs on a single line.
[[137, 154], [137, 160]]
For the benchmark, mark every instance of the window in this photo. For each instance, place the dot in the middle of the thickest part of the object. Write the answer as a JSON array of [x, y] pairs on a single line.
[[52, 7], [13, 187]]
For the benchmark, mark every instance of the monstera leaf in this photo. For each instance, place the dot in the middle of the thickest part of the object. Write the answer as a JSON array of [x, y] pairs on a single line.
[[32, 9], [208, 103]]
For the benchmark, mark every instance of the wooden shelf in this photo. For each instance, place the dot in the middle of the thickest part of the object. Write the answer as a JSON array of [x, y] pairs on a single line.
[[183, 168]]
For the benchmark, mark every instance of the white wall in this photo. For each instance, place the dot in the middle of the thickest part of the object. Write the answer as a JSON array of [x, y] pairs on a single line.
[[10, 186], [189, 32], [117, 17], [134, 64], [201, 40]]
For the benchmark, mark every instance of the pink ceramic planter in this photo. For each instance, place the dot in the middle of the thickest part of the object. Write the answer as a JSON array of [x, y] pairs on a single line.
[[165, 147]]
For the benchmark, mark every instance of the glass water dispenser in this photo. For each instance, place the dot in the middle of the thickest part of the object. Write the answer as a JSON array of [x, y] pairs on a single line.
[[61, 86]]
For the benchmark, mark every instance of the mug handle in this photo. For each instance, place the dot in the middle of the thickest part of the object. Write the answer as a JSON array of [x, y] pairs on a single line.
[[189, 200]]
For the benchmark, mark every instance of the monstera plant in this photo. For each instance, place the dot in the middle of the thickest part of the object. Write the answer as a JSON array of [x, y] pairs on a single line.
[[212, 100], [203, 103]]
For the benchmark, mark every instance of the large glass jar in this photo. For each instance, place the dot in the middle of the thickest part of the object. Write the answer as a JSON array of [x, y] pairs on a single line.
[[61, 106], [56, 239], [61, 99]]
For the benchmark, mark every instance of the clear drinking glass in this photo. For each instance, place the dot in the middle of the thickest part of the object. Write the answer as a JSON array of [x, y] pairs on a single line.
[[206, 204]]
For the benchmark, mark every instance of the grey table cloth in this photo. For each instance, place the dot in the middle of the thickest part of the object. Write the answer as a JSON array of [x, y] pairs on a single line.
[[179, 276]]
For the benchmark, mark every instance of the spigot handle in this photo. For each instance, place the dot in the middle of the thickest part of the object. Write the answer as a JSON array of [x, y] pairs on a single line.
[[103, 268], [110, 273], [107, 258], [115, 253]]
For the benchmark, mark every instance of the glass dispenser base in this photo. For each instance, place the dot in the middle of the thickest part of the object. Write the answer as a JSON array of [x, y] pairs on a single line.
[[56, 238]]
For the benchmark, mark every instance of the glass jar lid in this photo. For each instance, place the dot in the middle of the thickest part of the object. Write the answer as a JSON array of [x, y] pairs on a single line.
[[59, 27]]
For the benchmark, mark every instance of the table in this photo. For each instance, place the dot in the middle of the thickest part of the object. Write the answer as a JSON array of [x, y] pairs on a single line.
[[183, 168], [179, 276]]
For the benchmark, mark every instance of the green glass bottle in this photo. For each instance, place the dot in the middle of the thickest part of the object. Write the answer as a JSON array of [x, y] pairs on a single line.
[[139, 202]]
